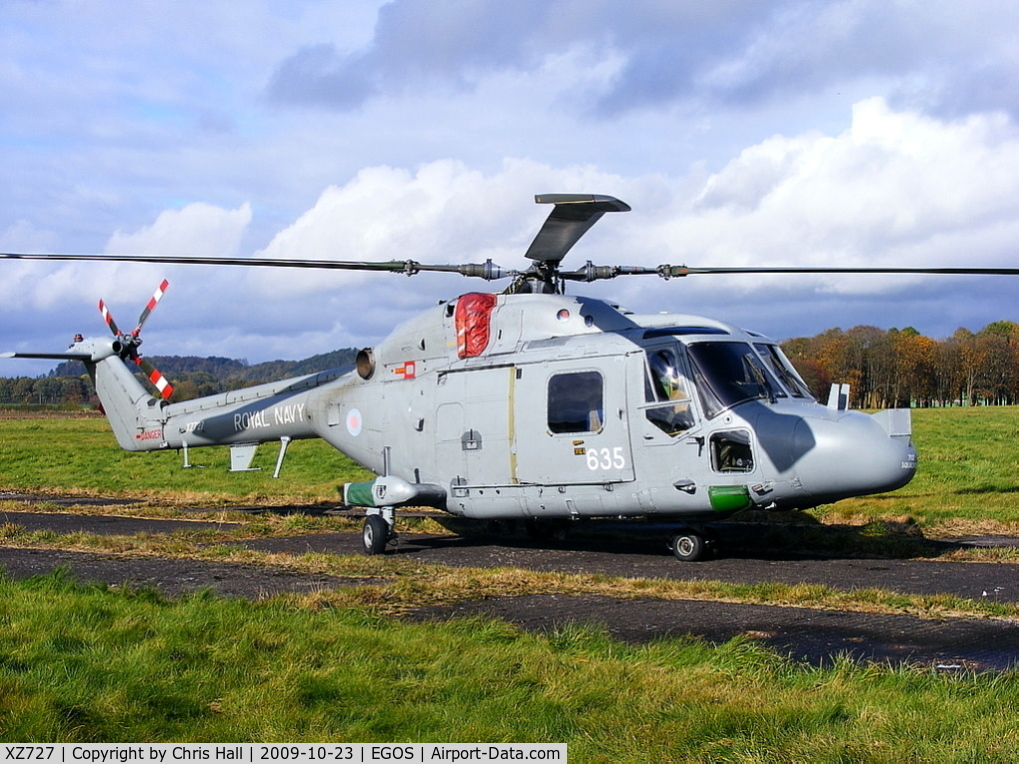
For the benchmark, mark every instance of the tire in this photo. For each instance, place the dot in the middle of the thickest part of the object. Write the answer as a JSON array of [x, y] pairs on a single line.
[[688, 546], [375, 535]]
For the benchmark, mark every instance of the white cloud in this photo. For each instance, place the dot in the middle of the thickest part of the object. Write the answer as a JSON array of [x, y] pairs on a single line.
[[74, 288], [196, 230], [893, 189], [23, 236], [888, 191], [445, 212]]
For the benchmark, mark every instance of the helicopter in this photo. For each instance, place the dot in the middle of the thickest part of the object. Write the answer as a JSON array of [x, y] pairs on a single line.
[[536, 405]]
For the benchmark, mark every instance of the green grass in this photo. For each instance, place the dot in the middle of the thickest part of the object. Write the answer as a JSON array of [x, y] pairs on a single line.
[[968, 473], [92, 663], [80, 663], [80, 455]]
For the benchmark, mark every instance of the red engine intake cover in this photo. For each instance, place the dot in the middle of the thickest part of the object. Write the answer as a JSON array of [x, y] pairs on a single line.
[[473, 323]]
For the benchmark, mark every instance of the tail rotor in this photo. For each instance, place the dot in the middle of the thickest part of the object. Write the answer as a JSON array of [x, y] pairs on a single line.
[[132, 340], [150, 306]]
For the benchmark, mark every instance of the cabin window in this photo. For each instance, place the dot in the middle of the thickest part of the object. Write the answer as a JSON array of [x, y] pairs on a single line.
[[731, 452], [575, 402], [665, 384]]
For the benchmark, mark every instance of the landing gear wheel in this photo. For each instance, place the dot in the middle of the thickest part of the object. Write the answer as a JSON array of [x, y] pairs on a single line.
[[688, 546], [375, 535]]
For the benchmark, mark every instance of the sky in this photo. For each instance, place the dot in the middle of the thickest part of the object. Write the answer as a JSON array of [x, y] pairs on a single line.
[[741, 132]]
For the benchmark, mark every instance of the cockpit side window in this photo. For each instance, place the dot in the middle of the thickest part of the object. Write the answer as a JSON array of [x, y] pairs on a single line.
[[665, 384]]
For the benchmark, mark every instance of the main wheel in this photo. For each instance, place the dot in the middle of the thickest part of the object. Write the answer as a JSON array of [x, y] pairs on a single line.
[[688, 546], [375, 535]]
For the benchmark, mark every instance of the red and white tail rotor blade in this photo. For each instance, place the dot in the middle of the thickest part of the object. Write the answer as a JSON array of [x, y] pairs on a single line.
[[151, 305], [156, 377], [108, 318]]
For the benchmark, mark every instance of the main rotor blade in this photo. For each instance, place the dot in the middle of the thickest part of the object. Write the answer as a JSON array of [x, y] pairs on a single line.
[[591, 272], [50, 356], [487, 270], [677, 271], [491, 272]]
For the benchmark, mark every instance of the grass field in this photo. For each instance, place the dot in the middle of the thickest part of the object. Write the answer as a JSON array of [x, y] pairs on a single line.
[[91, 663], [968, 475], [79, 455]]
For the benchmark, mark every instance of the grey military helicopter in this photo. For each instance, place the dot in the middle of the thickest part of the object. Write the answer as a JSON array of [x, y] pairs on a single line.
[[535, 405]]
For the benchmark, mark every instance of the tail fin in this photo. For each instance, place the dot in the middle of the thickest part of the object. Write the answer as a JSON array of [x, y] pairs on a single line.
[[136, 417]]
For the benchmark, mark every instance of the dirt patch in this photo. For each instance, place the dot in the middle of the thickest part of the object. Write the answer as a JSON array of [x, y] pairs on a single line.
[[64, 501]]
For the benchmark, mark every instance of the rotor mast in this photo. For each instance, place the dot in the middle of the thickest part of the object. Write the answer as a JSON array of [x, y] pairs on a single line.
[[571, 217]]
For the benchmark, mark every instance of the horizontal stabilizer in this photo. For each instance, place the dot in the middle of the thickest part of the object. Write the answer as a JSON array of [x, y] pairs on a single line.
[[83, 349], [50, 356]]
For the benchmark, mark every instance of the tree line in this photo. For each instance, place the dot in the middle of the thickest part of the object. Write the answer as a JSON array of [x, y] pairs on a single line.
[[68, 385], [901, 367]]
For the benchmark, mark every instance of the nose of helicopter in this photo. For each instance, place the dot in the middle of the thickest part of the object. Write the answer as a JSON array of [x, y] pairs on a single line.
[[856, 454]]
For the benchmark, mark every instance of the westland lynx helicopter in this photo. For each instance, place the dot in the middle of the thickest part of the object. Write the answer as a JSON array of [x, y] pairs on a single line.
[[536, 405]]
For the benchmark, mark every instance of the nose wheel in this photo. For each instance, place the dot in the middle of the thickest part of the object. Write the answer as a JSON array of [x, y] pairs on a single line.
[[689, 546], [378, 531]]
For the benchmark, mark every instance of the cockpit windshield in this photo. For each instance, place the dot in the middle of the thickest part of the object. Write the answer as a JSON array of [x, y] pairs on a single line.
[[783, 369], [729, 373]]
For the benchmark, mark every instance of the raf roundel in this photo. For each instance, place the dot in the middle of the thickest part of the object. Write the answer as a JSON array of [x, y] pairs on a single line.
[[354, 422]]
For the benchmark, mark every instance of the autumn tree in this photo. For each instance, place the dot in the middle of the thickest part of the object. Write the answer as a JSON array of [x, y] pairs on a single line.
[[905, 368]]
